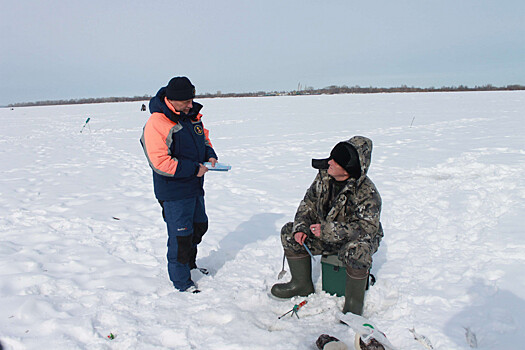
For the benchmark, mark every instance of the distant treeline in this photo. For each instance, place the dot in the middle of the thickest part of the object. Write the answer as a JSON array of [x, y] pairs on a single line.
[[81, 101], [330, 90], [403, 88]]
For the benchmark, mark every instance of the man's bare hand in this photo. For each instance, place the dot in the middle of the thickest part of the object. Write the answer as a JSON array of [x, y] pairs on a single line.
[[202, 170], [316, 229], [213, 161], [300, 237]]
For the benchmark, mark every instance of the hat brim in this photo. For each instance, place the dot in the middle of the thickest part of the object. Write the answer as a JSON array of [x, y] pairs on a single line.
[[320, 163]]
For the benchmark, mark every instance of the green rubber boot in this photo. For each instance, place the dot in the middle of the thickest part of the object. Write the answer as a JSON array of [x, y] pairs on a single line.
[[301, 283], [355, 289]]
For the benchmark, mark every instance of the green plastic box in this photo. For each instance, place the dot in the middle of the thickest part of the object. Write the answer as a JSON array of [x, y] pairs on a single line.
[[333, 274]]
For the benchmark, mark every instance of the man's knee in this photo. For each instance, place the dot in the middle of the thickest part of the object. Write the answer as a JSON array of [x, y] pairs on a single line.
[[286, 230], [199, 229], [357, 257], [179, 249], [287, 238], [184, 249]]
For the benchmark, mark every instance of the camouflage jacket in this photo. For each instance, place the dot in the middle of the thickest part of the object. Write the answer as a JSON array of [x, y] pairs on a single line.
[[352, 217]]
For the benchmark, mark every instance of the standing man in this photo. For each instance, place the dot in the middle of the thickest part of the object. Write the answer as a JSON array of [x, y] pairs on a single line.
[[176, 145], [339, 215]]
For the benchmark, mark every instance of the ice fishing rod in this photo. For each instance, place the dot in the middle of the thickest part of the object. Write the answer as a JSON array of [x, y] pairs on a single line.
[[294, 309], [309, 252], [86, 123]]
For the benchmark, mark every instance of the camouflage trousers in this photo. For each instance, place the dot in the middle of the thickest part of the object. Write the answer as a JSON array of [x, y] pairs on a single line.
[[346, 252]]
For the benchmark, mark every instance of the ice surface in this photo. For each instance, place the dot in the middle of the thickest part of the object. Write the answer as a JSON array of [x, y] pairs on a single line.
[[83, 243]]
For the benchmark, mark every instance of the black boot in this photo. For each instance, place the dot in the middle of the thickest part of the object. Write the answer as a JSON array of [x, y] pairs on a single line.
[[356, 281], [301, 283]]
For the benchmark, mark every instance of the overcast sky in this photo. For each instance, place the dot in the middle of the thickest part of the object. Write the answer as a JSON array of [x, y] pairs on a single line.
[[63, 49]]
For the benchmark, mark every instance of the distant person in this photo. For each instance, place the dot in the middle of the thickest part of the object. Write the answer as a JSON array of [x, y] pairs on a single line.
[[339, 215], [143, 108], [176, 145]]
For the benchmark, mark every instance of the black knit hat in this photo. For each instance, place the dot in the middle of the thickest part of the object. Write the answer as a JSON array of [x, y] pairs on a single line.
[[346, 156], [180, 89]]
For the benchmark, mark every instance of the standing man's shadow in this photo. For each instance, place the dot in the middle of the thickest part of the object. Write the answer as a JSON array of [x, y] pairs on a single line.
[[495, 315], [258, 228]]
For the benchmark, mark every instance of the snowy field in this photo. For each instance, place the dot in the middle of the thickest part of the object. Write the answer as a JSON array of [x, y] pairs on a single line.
[[83, 243]]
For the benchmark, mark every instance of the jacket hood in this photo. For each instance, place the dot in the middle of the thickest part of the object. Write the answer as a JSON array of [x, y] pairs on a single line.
[[363, 146]]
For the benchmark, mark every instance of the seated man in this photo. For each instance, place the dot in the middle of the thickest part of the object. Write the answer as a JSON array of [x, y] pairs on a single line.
[[339, 215]]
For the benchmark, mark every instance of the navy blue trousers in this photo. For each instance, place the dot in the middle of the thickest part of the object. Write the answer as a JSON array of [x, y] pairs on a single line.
[[187, 222]]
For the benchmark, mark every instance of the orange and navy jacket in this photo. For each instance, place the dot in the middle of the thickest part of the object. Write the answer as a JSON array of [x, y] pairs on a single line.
[[175, 144]]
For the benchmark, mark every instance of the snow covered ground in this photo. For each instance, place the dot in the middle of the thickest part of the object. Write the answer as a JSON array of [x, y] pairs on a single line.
[[83, 244]]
